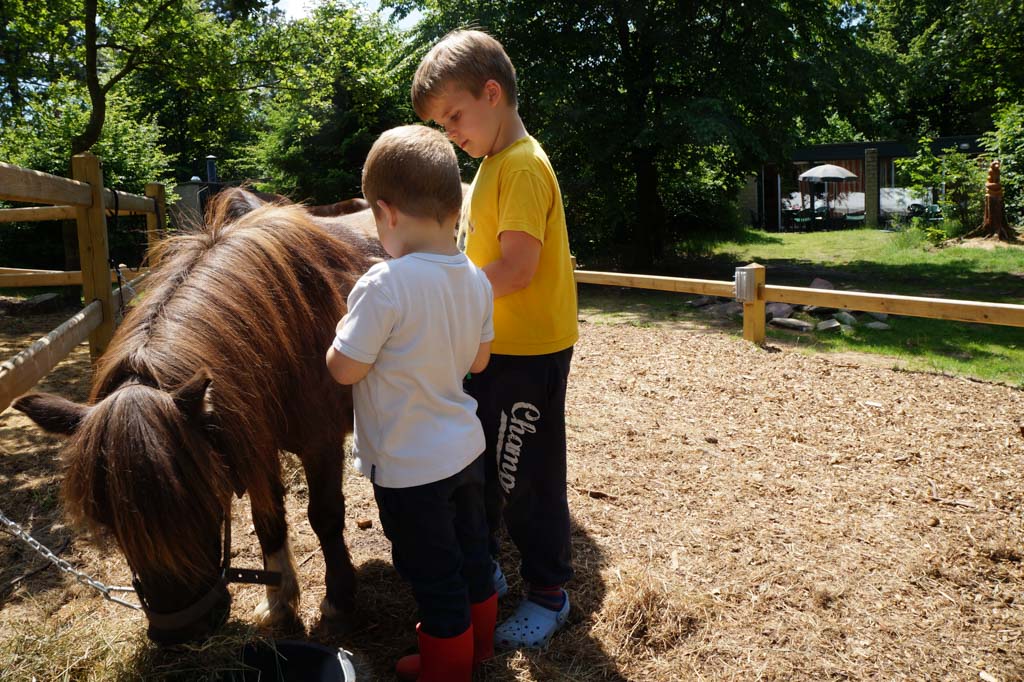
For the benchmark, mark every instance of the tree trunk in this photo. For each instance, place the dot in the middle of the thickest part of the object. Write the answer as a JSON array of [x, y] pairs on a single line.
[[97, 94], [85, 141], [995, 224], [650, 210]]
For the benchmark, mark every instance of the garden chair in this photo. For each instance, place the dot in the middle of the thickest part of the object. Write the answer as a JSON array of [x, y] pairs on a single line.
[[853, 220], [803, 219]]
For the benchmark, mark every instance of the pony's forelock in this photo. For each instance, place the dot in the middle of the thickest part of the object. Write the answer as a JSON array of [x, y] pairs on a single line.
[[138, 472]]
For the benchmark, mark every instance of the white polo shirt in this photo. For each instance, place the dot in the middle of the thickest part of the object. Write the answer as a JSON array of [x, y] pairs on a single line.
[[420, 320]]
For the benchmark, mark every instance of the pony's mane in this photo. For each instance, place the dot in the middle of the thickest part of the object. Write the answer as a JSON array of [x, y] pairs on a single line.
[[252, 300]]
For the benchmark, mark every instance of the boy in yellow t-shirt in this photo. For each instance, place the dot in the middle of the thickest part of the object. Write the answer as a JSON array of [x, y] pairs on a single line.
[[514, 228]]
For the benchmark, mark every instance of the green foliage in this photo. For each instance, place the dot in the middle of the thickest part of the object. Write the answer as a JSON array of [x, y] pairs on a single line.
[[208, 88], [37, 47], [957, 178], [653, 113], [939, 65], [912, 237], [1006, 143], [935, 234], [341, 94], [129, 149], [836, 129]]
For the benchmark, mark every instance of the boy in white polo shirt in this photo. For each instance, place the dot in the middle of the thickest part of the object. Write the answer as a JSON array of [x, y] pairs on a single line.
[[415, 326]]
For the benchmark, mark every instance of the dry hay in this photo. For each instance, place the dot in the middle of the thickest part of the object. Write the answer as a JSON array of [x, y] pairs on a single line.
[[738, 514]]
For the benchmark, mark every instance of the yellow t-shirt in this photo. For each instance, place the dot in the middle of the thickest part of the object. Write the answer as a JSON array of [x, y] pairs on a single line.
[[516, 189]]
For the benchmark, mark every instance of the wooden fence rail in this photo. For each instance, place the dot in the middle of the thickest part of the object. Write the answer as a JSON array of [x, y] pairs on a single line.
[[22, 184], [84, 199], [24, 370], [754, 306], [12, 278], [20, 373]]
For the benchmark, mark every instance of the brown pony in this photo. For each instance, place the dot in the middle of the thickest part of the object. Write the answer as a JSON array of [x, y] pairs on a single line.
[[217, 369], [346, 207]]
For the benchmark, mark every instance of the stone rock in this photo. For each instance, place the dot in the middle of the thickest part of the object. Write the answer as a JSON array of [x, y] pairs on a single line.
[[700, 301], [829, 326], [880, 326], [881, 317], [791, 323], [778, 310], [819, 283], [41, 304], [818, 311], [847, 329], [730, 309], [845, 317]]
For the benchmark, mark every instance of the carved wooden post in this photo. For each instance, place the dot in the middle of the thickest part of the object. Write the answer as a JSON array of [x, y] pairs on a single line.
[[995, 216], [94, 254]]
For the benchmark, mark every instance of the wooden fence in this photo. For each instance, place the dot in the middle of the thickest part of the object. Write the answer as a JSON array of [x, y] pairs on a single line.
[[85, 200], [760, 293]]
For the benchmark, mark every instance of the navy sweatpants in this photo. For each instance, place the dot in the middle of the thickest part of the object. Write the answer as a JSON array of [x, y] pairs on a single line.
[[438, 535], [521, 404]]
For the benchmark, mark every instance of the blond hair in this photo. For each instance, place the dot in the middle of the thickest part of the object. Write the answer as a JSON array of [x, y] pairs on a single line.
[[414, 169], [465, 59]]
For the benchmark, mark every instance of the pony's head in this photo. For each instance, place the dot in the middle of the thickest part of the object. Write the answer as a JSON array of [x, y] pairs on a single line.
[[142, 467]]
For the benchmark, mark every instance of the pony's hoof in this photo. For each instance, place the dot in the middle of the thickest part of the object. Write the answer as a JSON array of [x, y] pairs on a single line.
[[270, 614], [336, 620], [329, 611]]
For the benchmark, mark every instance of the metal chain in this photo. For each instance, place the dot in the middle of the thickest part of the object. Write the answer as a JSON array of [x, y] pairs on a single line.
[[105, 590]]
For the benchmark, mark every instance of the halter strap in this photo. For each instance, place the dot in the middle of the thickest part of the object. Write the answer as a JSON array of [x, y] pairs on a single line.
[[191, 613]]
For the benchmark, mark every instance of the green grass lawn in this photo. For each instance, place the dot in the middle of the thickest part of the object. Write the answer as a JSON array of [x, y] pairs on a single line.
[[859, 260], [882, 262]]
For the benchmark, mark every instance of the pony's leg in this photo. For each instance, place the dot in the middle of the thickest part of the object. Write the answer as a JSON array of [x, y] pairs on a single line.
[[281, 603], [327, 517]]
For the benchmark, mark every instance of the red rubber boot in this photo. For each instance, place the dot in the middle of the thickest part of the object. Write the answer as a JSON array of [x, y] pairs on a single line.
[[483, 615], [441, 659]]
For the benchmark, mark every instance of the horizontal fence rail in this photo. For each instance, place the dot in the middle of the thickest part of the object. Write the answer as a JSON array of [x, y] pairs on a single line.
[[22, 184], [911, 306], [33, 214], [11, 278], [128, 203], [707, 287], [20, 373], [1006, 314]]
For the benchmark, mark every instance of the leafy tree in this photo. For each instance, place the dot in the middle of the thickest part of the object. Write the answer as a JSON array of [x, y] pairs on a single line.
[[655, 112], [327, 111], [942, 66], [209, 84], [956, 178], [129, 148], [37, 47]]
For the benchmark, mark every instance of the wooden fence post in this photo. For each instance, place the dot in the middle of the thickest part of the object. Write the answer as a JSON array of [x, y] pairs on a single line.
[[754, 309], [93, 249], [156, 223]]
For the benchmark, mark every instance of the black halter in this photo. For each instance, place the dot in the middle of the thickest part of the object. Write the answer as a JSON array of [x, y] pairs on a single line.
[[228, 574]]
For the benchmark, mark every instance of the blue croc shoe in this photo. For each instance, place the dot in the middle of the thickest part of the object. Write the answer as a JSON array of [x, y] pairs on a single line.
[[531, 626], [500, 582]]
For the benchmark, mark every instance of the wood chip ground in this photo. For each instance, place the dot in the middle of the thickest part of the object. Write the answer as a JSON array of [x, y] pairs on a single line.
[[739, 514]]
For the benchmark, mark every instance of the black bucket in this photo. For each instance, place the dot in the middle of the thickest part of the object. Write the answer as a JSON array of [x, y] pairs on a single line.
[[291, 661]]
